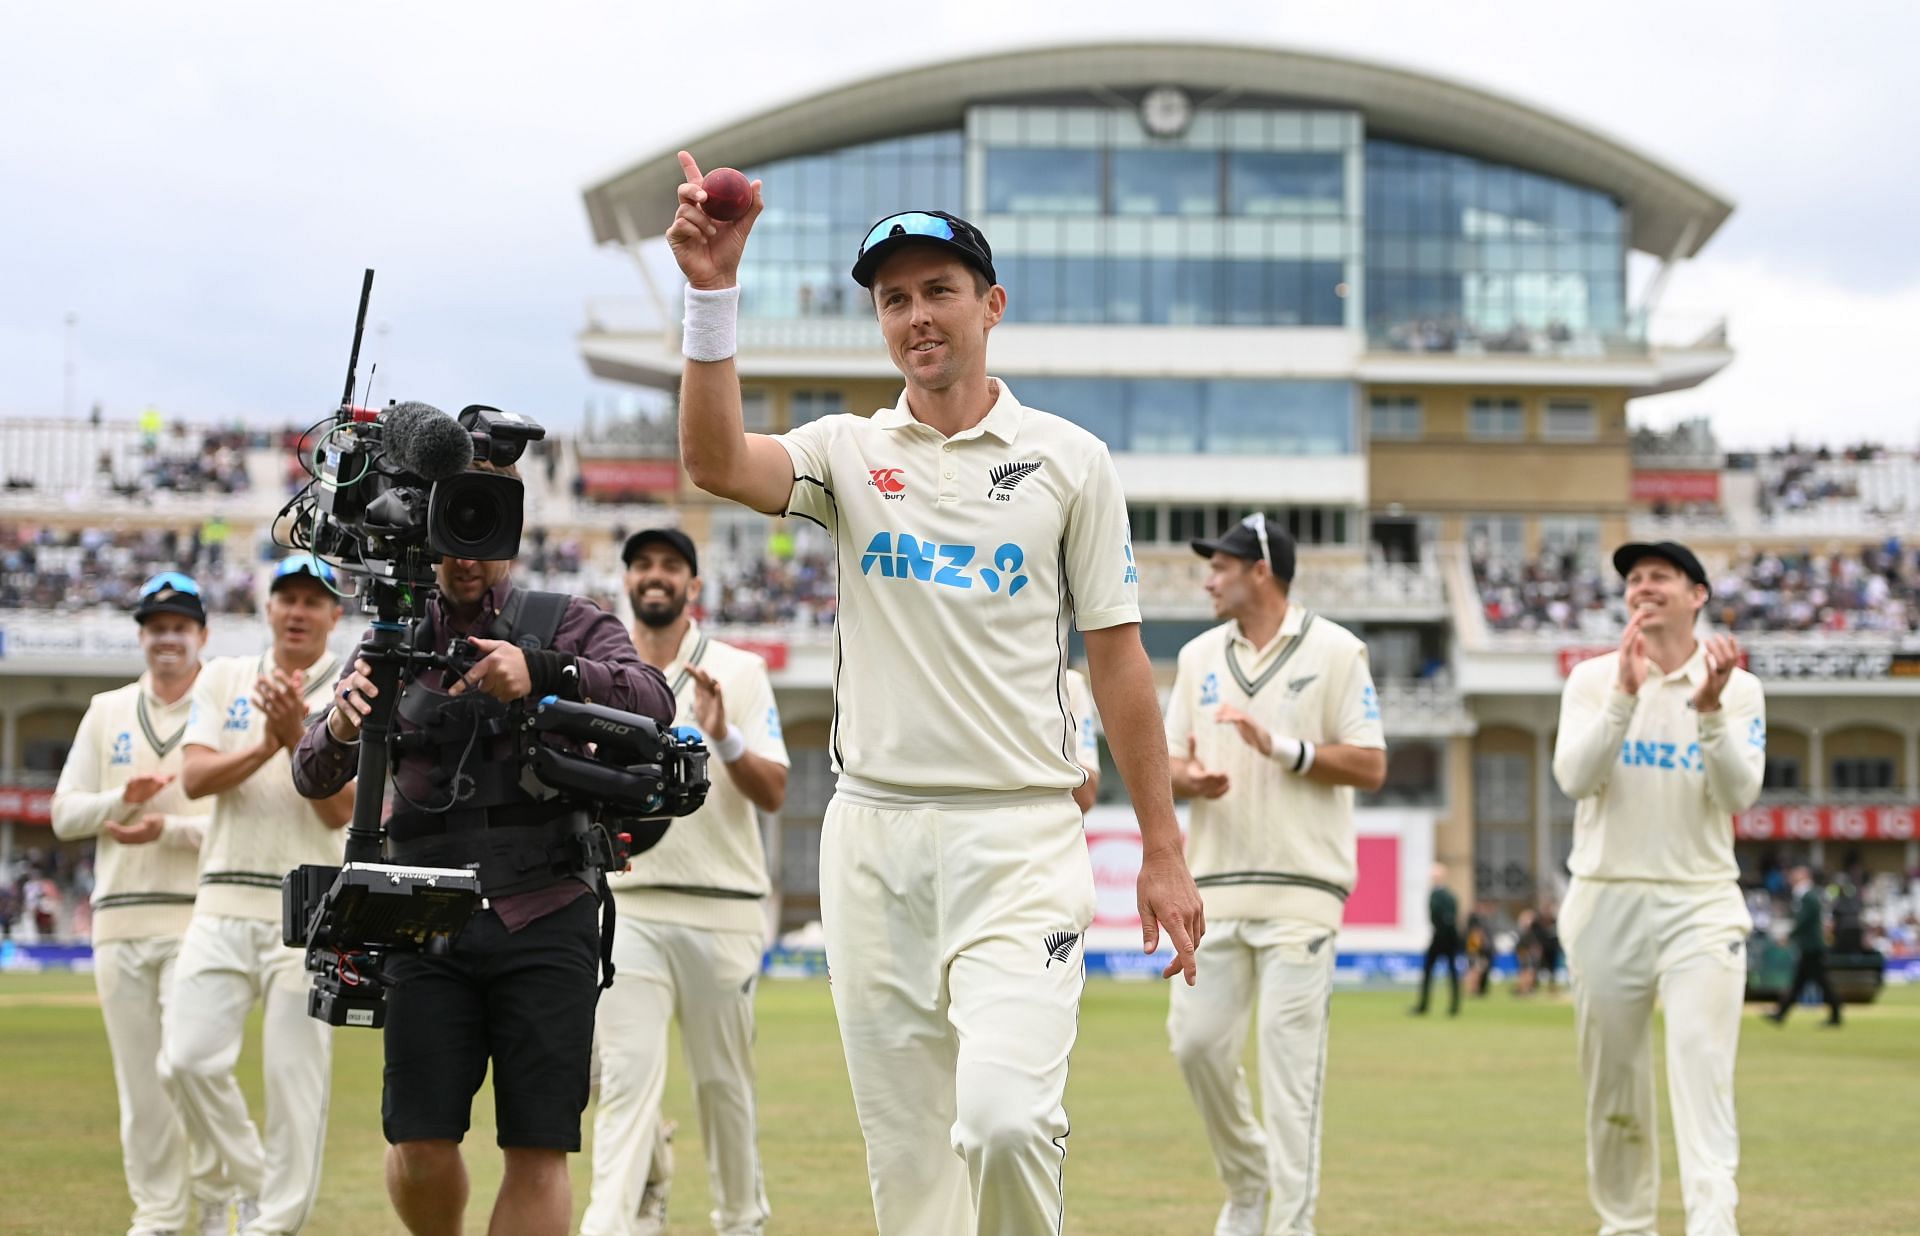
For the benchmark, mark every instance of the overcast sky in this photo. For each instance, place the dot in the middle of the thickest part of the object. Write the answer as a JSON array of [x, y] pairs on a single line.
[[202, 184]]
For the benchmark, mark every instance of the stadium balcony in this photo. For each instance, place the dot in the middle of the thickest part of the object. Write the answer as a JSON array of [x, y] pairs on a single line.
[[1330, 583]]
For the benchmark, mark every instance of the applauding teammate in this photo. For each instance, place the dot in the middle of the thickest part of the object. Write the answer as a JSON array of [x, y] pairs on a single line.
[[1661, 742], [1275, 715], [248, 715], [120, 784], [691, 921]]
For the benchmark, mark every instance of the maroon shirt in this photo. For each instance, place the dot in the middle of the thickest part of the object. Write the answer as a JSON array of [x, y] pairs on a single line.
[[611, 673]]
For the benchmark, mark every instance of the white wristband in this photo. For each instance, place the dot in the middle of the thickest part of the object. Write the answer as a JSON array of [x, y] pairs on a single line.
[[732, 747], [708, 329], [1294, 754]]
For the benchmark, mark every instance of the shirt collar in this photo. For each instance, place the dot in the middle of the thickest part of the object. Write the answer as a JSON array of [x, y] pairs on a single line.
[[1290, 624], [1002, 420], [1694, 668], [688, 642], [154, 702]]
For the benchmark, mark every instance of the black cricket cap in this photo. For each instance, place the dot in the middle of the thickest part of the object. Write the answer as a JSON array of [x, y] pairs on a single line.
[[1667, 551], [170, 592], [1243, 541], [931, 227], [679, 541]]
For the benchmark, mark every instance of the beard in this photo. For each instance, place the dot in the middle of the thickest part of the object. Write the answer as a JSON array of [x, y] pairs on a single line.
[[656, 611]]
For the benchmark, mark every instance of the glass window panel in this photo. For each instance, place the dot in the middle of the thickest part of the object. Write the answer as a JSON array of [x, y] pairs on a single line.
[[1144, 523], [1166, 182], [1043, 181], [1286, 183], [1187, 523], [1165, 416], [1495, 419], [1570, 420]]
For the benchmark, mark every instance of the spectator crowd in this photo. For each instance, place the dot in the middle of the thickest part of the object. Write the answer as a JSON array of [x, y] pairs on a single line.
[[1876, 588], [72, 570]]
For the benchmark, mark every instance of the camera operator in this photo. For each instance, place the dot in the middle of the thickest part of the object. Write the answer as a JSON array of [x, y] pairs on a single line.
[[520, 984]]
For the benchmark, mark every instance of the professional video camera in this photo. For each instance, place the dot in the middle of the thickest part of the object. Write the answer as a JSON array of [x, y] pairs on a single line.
[[392, 494]]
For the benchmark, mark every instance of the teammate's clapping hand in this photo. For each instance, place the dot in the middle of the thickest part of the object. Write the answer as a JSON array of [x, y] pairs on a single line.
[[1723, 657], [143, 786], [709, 705], [146, 829], [1201, 781], [1254, 734], [708, 249], [279, 696], [1633, 657]]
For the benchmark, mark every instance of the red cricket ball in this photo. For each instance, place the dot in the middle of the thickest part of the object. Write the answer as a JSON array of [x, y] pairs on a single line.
[[729, 194]]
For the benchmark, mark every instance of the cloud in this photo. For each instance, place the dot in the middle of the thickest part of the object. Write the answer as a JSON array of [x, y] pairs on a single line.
[[203, 185], [1813, 360]]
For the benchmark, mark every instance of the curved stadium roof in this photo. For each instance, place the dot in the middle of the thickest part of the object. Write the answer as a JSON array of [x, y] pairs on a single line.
[[1671, 213]]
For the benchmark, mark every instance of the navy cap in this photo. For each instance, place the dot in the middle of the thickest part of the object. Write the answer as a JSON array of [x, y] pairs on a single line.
[[677, 540], [932, 227], [295, 566], [1243, 540], [1667, 551], [170, 592]]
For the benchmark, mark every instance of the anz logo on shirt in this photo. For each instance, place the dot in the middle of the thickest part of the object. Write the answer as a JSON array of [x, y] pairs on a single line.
[[1665, 755], [122, 749], [903, 556], [1369, 703], [1210, 690], [773, 722], [239, 714], [1757, 733]]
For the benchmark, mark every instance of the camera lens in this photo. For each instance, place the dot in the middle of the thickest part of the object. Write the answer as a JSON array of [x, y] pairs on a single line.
[[473, 519]]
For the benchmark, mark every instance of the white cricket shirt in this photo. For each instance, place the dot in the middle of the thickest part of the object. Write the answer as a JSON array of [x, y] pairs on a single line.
[[1657, 783], [262, 828], [1275, 845], [140, 891], [961, 562], [710, 870]]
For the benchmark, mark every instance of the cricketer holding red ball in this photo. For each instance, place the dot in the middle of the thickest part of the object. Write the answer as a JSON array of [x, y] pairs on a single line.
[[954, 877]]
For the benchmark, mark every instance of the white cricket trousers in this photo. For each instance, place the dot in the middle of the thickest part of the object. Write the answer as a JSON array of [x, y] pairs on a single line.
[[225, 965], [1628, 941], [954, 955], [705, 978], [165, 1168], [1279, 971]]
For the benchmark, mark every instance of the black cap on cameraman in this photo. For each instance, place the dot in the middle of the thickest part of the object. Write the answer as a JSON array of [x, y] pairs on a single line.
[[677, 540]]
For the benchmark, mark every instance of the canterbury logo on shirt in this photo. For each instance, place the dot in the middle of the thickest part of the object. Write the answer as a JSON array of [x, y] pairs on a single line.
[[1663, 755], [903, 556]]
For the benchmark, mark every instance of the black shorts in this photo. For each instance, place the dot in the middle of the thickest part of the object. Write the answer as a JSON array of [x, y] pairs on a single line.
[[523, 1000]]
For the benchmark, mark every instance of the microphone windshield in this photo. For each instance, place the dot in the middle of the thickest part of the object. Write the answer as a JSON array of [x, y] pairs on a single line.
[[425, 441]]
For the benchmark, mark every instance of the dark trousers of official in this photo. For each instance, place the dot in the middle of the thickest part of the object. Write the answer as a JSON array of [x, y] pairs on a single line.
[[1811, 968], [1440, 950]]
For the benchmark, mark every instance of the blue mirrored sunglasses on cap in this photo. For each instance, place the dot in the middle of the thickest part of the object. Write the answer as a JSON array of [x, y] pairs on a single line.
[[912, 223], [304, 564], [166, 580]]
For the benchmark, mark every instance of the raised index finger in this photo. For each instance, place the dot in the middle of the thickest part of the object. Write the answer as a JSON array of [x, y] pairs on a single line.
[[690, 169]]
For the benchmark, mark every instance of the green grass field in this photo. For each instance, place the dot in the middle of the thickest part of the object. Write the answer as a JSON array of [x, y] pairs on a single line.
[[1431, 1125]]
